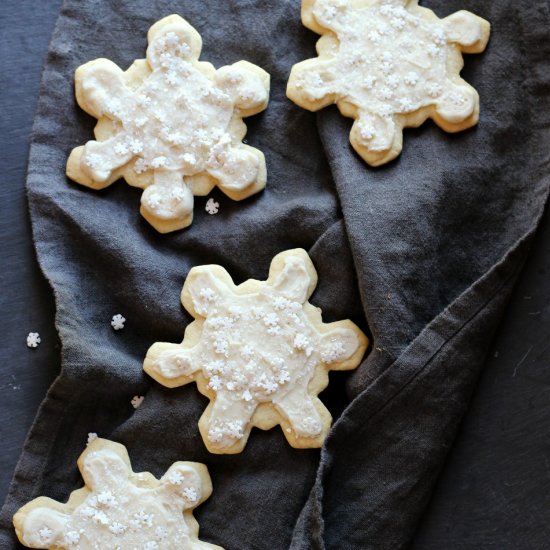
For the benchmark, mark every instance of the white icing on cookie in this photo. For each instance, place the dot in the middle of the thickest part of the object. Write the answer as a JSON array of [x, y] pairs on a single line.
[[181, 120], [259, 343], [384, 62], [118, 509]]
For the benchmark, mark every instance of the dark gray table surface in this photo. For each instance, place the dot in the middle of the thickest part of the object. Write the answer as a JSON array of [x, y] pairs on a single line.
[[27, 303], [499, 439]]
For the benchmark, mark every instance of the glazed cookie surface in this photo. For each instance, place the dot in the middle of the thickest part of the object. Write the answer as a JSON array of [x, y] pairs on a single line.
[[118, 509], [171, 125], [260, 351], [388, 64]]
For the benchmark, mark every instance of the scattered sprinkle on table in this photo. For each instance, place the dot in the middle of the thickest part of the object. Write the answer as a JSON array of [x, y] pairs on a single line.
[[33, 339], [212, 206], [117, 322]]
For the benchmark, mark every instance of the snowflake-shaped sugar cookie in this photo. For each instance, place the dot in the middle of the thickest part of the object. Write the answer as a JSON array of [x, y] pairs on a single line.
[[119, 509], [172, 125], [260, 351], [388, 64]]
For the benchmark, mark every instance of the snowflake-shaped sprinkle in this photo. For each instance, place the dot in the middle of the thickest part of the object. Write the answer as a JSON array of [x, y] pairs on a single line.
[[161, 533], [45, 533], [212, 206], [177, 125], [33, 339], [388, 64], [117, 528], [260, 343], [175, 478], [411, 78], [106, 498], [119, 509], [137, 400], [72, 538], [190, 494], [117, 322]]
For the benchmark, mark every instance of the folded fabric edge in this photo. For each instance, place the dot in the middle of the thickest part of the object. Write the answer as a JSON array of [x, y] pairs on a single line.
[[309, 530]]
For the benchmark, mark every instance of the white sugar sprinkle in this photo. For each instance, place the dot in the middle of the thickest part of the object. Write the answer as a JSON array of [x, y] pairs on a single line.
[[117, 322], [212, 207], [33, 339]]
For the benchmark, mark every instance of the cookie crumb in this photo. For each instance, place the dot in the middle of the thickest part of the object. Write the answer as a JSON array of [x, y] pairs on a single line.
[[33, 339], [117, 322], [212, 206], [137, 400], [92, 436]]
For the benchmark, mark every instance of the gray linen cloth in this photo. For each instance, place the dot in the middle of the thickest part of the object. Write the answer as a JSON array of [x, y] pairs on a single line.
[[426, 250]]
